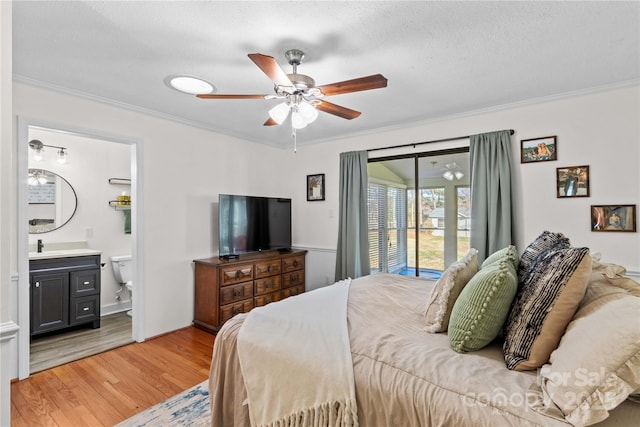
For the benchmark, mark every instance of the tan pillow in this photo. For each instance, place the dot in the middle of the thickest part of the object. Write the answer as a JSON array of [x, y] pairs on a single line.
[[550, 293], [597, 364], [446, 291]]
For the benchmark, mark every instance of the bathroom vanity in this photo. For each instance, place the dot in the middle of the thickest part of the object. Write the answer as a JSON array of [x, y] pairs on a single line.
[[64, 289]]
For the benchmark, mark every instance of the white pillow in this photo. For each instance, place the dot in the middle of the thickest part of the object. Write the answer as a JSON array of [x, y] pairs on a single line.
[[446, 291], [597, 364]]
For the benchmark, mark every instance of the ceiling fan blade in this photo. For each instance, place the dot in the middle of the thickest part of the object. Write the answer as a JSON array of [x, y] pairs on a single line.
[[270, 67], [374, 81], [217, 96], [270, 122], [336, 110]]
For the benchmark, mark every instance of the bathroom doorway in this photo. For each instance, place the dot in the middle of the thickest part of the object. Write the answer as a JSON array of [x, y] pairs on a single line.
[[92, 159]]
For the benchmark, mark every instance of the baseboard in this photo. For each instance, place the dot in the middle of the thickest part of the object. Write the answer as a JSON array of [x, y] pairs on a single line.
[[106, 310]]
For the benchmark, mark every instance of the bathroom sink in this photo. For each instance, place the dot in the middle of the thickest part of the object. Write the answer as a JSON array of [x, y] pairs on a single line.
[[63, 253]]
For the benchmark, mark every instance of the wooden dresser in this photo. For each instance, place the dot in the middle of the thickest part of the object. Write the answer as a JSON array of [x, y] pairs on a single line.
[[226, 287]]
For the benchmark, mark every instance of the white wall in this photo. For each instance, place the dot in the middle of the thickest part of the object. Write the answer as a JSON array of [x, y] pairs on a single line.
[[186, 168], [8, 323], [91, 162], [599, 129]]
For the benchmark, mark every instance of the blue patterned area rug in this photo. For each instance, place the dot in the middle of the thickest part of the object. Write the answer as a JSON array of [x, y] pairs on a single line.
[[189, 408]]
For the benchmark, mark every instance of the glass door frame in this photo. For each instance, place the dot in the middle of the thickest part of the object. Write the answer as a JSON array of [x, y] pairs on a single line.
[[416, 185]]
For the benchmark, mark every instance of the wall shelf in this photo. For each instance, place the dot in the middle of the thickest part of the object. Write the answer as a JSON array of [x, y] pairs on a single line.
[[120, 181], [119, 206]]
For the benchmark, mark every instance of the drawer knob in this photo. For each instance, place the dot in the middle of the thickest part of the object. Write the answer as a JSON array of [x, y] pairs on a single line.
[[37, 284], [295, 262], [86, 283], [268, 285], [85, 309], [237, 310], [238, 292]]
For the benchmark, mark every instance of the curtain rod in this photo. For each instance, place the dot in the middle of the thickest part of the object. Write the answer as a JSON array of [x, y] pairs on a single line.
[[425, 142]]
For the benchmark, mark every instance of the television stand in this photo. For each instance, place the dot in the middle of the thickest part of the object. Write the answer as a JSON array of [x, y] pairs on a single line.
[[226, 287]]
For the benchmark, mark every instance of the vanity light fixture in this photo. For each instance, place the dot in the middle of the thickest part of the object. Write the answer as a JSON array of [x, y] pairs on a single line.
[[189, 84], [38, 147]]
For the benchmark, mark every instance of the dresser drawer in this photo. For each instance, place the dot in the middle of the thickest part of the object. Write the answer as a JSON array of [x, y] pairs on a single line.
[[228, 311], [84, 282], [264, 286], [293, 279], [293, 263], [84, 309], [232, 293], [268, 298], [235, 274], [267, 268], [294, 290]]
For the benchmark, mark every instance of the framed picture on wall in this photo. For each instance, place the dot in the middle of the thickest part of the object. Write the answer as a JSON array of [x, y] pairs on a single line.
[[538, 149], [315, 187], [613, 218], [572, 181]]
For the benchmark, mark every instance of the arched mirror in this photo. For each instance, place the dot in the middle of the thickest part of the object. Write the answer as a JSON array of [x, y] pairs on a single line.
[[52, 201]]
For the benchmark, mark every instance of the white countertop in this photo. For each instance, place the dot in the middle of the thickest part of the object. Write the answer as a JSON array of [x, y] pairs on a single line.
[[63, 253]]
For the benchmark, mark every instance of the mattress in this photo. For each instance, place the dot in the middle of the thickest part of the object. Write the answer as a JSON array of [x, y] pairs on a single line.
[[404, 376]]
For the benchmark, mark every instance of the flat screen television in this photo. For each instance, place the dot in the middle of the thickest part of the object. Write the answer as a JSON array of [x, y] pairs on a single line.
[[252, 224]]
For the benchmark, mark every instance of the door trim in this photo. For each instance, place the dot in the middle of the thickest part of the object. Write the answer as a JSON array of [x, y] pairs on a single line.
[[137, 210]]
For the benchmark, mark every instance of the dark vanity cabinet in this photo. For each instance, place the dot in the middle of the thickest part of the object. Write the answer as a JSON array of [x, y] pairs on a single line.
[[64, 292]]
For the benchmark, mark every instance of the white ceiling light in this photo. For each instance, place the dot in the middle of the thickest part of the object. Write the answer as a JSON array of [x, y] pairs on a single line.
[[452, 172], [189, 84]]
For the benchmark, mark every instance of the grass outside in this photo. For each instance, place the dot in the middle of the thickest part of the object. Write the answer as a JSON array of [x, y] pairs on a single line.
[[431, 251]]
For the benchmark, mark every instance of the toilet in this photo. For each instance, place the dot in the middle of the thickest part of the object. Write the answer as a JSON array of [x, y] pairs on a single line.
[[123, 273]]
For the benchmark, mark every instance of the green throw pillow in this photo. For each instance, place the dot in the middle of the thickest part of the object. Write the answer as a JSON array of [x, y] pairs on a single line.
[[510, 253], [482, 307]]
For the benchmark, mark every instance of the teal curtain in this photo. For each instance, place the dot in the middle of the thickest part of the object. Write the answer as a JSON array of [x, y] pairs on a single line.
[[352, 257], [491, 206]]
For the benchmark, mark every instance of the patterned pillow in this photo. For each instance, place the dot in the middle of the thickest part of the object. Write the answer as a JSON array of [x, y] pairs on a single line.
[[550, 293], [482, 307], [446, 291], [510, 253], [545, 241], [584, 379]]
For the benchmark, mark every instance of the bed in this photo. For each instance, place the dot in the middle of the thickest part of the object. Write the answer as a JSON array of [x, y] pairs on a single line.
[[404, 376]]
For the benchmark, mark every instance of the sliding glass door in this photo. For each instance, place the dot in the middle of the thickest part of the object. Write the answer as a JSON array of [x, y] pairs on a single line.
[[419, 212]]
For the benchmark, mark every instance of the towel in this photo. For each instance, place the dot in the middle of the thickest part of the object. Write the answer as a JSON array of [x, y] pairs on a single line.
[[296, 361], [127, 221]]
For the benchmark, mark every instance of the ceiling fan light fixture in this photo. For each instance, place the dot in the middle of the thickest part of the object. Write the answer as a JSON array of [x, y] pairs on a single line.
[[298, 121], [308, 112], [458, 174], [279, 113], [448, 175], [189, 84]]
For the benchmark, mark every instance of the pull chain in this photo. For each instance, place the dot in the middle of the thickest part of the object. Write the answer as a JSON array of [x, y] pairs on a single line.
[[295, 139]]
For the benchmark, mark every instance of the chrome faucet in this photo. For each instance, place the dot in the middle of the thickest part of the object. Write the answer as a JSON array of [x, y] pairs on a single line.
[[40, 245]]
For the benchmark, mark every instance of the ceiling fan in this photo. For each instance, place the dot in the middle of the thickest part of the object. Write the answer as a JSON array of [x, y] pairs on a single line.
[[301, 95]]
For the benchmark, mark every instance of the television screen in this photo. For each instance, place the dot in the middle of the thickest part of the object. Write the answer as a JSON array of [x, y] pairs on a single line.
[[250, 224]]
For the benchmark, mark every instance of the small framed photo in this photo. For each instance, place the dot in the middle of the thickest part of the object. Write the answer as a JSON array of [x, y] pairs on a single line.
[[572, 181], [538, 149], [315, 187], [613, 218]]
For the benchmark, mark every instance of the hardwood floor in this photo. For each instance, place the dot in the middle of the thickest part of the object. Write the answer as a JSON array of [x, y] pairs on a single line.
[[107, 388], [49, 350]]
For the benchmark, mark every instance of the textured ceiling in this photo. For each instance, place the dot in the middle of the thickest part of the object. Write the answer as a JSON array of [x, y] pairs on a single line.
[[441, 58]]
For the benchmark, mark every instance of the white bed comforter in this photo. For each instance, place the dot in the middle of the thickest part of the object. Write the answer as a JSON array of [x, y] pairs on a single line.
[[403, 375]]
